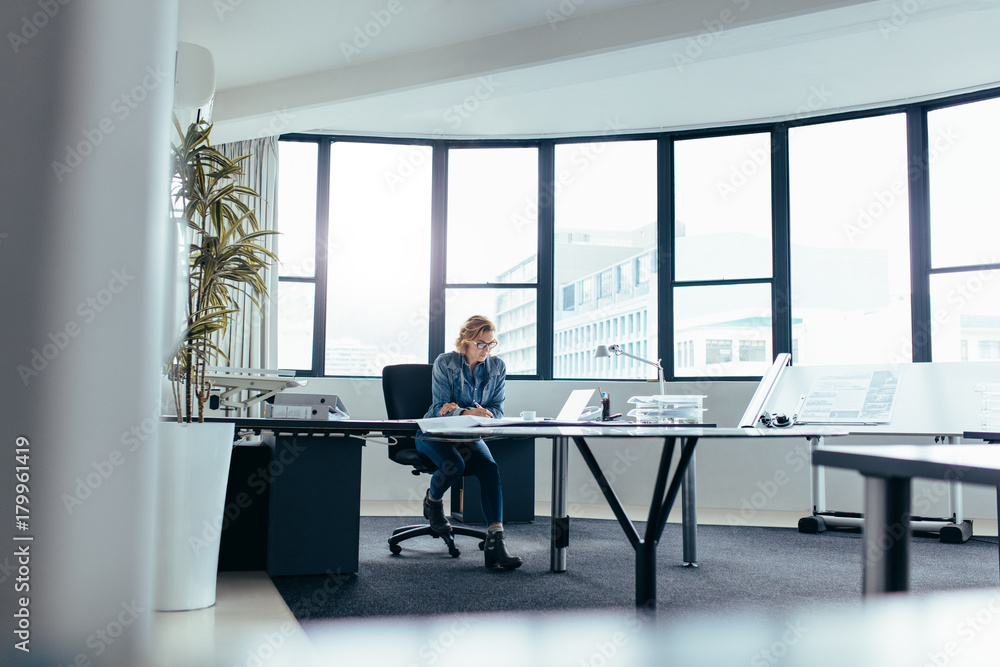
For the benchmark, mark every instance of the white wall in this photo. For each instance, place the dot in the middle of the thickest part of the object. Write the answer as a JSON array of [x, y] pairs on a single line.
[[84, 180], [741, 476]]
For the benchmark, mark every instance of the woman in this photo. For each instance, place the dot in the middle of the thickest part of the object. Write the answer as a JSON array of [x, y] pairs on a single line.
[[469, 381]]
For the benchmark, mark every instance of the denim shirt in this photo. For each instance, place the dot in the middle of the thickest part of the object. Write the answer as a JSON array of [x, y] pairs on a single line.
[[454, 382]]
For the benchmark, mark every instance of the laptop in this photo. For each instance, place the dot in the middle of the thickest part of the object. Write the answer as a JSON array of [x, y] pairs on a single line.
[[574, 405]]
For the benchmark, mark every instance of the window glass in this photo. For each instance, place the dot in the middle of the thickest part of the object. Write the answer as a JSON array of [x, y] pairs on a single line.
[[965, 315], [605, 257], [850, 260], [513, 313], [715, 325], [295, 304], [379, 257], [964, 142], [723, 207], [492, 213], [296, 245]]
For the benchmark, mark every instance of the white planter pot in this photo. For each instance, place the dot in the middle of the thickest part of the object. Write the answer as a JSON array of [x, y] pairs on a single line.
[[192, 474]]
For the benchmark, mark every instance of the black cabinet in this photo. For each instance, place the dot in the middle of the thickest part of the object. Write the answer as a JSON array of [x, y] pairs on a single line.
[[516, 460]]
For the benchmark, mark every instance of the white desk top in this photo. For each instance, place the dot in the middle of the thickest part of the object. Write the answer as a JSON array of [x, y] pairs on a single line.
[[976, 464], [632, 430]]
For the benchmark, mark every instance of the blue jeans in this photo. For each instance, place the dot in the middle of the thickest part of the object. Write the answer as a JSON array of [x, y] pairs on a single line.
[[453, 461]]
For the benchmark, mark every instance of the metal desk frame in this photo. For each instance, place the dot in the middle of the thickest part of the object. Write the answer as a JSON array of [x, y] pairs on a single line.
[[665, 488], [888, 471]]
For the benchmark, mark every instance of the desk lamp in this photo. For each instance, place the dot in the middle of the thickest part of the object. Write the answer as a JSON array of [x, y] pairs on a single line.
[[608, 350]]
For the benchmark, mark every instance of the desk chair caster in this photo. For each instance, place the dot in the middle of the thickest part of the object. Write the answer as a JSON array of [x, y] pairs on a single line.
[[406, 532]]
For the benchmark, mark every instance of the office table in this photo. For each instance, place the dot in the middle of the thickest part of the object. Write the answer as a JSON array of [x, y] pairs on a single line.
[[313, 480], [665, 488], [888, 471], [314, 491]]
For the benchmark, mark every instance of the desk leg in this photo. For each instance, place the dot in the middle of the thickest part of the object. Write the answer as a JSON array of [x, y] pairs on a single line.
[[645, 577], [886, 535], [689, 516], [560, 521]]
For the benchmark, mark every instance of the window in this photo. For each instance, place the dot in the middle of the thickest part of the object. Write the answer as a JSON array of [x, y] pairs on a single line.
[[718, 351], [381, 314], [492, 224], [605, 225], [722, 236], [752, 350], [297, 253], [557, 240], [964, 141], [850, 270]]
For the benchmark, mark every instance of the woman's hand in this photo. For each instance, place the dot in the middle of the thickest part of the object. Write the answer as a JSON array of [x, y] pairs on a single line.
[[479, 412], [448, 407]]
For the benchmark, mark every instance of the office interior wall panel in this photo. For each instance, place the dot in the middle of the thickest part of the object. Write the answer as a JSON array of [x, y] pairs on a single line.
[[84, 181]]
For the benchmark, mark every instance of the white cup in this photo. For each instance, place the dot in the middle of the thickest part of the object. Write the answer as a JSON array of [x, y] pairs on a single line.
[[528, 415]]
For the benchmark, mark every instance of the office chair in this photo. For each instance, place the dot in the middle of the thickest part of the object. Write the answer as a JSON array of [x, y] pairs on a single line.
[[408, 394]]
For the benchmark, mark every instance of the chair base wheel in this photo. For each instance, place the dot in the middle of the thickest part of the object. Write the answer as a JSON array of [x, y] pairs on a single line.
[[395, 549]]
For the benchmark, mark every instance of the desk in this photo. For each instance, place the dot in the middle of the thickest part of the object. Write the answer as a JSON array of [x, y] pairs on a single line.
[[665, 488], [314, 493], [314, 489], [888, 471]]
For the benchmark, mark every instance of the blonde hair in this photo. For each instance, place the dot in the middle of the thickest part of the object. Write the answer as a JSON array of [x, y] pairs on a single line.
[[471, 330]]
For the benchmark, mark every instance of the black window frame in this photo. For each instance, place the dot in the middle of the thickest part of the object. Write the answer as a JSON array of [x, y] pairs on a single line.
[[663, 268]]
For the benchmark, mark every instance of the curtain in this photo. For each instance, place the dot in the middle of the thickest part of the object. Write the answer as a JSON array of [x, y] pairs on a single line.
[[250, 343]]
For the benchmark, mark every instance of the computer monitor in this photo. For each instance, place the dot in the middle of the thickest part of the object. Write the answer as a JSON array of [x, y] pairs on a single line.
[[767, 385]]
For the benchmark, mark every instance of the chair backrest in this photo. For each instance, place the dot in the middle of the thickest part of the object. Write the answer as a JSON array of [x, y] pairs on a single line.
[[408, 393]]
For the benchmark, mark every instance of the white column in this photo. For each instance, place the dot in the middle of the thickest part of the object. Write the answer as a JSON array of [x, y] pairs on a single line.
[[87, 90]]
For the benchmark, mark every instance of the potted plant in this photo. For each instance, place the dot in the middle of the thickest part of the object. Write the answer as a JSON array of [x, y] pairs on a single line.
[[226, 257]]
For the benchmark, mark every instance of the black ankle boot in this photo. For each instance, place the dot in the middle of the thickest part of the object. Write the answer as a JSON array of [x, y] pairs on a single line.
[[434, 512], [497, 554]]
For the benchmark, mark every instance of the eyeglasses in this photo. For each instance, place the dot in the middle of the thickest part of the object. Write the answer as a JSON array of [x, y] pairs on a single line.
[[482, 346]]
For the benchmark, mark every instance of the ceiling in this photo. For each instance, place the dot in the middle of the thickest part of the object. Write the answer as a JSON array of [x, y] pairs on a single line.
[[531, 68]]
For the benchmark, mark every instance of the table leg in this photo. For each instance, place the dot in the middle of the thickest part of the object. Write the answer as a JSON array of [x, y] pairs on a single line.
[[886, 535], [645, 577], [689, 516], [559, 539]]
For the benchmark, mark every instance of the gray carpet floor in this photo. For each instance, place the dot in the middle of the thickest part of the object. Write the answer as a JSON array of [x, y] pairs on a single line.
[[754, 570]]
